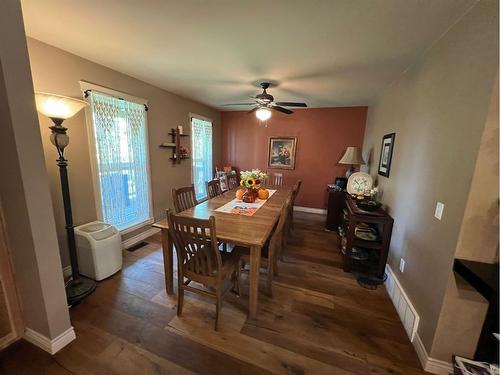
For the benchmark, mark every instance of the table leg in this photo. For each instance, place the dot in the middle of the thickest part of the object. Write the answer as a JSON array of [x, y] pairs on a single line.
[[254, 280], [168, 255]]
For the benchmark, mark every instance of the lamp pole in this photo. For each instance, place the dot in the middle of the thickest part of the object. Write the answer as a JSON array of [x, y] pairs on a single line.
[[59, 108], [79, 287]]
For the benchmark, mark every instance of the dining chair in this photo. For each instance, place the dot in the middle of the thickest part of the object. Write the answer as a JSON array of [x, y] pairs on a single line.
[[295, 192], [199, 260], [265, 181], [214, 188], [184, 198], [271, 251], [232, 181], [277, 179]]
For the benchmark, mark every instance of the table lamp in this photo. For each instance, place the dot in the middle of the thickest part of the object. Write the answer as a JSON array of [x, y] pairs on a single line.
[[352, 157], [59, 108]]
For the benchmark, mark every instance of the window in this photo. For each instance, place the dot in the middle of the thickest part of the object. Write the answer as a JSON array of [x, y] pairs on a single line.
[[201, 135], [121, 163]]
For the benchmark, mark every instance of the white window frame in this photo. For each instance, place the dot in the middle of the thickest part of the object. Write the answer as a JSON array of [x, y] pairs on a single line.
[[204, 118], [84, 86]]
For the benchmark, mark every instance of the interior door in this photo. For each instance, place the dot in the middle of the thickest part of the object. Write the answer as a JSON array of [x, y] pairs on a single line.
[[11, 324]]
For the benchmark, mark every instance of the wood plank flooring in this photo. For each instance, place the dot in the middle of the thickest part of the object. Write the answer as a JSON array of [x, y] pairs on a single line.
[[320, 321]]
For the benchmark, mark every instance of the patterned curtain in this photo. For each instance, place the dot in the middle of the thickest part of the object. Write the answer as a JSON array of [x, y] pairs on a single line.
[[201, 136], [122, 159]]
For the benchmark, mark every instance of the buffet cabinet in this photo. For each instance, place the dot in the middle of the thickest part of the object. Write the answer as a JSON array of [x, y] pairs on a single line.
[[365, 237]]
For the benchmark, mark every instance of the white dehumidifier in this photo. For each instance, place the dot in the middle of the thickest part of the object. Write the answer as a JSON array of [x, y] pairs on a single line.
[[99, 249]]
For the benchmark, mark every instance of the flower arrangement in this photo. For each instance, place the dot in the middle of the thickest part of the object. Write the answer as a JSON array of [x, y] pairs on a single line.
[[183, 151], [252, 179]]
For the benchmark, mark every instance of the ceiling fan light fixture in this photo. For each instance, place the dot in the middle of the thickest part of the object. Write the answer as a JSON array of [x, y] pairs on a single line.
[[263, 114]]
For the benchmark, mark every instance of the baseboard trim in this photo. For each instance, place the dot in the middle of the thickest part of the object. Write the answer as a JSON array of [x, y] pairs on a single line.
[[432, 365], [399, 298], [48, 345], [310, 210], [129, 242], [403, 304]]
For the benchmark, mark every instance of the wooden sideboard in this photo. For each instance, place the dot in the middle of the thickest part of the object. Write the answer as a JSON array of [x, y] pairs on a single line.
[[380, 220], [336, 203]]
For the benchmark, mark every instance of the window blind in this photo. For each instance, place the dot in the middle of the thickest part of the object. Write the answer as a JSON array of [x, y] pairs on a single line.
[[119, 130], [201, 136]]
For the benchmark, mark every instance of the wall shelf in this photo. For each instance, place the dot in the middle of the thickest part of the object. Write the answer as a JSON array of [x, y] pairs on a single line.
[[175, 145]]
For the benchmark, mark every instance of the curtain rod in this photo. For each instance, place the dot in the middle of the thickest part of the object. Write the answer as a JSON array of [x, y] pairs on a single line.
[[86, 94]]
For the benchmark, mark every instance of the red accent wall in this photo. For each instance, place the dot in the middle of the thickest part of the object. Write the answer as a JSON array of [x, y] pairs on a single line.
[[322, 134]]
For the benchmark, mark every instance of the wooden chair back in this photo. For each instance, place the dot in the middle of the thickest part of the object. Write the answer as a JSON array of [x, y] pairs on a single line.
[[277, 237], [295, 191], [195, 243], [184, 198], [277, 179], [232, 181], [214, 188]]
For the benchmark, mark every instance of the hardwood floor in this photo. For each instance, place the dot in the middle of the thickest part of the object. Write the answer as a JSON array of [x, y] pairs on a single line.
[[320, 321]]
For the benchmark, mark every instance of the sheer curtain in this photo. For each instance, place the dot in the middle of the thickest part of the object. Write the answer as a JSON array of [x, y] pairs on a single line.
[[201, 136], [119, 129]]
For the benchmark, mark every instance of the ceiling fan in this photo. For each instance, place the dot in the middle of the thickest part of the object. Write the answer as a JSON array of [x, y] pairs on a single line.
[[265, 102]]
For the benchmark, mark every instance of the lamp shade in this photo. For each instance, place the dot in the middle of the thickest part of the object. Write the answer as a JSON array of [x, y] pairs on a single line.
[[58, 106], [352, 156]]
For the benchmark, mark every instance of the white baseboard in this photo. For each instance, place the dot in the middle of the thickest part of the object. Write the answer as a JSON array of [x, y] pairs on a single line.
[[310, 210], [432, 365], [129, 242], [411, 319], [402, 303], [50, 346]]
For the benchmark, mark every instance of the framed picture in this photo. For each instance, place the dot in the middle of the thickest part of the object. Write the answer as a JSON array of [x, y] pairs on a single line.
[[282, 152], [384, 165]]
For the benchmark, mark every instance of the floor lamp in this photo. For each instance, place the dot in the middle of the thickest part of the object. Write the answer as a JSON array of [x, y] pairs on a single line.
[[59, 108]]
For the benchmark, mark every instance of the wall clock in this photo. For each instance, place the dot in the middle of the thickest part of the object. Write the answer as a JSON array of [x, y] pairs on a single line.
[[359, 183]]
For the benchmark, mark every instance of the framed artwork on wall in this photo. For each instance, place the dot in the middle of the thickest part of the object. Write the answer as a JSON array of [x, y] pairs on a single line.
[[282, 152], [384, 165]]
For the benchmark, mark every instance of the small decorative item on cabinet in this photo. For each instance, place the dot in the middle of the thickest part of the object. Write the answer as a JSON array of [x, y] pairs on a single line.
[[179, 152]]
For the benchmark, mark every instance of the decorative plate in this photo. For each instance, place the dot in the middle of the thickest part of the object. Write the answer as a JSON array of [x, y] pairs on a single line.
[[359, 183], [367, 236]]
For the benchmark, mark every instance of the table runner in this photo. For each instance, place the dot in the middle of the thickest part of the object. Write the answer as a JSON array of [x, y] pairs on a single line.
[[239, 207]]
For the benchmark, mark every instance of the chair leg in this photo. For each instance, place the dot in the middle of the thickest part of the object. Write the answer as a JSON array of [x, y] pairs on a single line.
[[180, 301], [238, 279], [218, 309], [275, 265], [270, 271]]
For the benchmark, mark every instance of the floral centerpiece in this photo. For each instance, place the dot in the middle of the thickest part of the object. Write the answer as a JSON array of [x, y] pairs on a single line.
[[252, 181]]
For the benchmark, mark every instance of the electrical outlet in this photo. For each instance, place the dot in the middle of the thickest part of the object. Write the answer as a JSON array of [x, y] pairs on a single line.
[[438, 214], [402, 265]]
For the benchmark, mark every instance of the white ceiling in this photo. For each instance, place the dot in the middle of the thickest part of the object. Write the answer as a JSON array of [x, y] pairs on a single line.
[[324, 52]]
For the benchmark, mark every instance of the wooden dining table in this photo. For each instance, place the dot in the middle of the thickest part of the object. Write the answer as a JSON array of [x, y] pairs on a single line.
[[248, 231]]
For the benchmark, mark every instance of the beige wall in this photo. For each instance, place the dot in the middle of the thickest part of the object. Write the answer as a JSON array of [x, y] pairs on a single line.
[[437, 109], [59, 72], [24, 191], [464, 309], [478, 238]]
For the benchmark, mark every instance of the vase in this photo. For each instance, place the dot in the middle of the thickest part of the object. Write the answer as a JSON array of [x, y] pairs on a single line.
[[250, 195]]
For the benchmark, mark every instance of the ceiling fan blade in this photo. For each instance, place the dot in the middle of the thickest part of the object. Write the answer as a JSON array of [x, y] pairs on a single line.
[[291, 104], [253, 109], [281, 109], [227, 105]]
